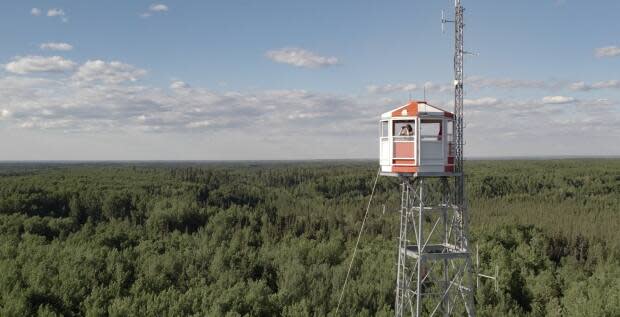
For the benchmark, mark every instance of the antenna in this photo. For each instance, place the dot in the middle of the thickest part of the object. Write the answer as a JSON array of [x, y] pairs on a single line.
[[444, 21], [425, 92], [471, 53]]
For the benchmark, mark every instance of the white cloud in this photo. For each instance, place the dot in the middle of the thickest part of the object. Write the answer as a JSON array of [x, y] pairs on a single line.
[[390, 88], [4, 113], [56, 46], [55, 12], [300, 58], [265, 124], [158, 7], [557, 100], [479, 82], [60, 13], [608, 84], [34, 64], [408, 87], [198, 124], [107, 72], [435, 87], [484, 102], [580, 85], [38, 123], [476, 83], [532, 128], [608, 51], [177, 84], [154, 8], [108, 106]]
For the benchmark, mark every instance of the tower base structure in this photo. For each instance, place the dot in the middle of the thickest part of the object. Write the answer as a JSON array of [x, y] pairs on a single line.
[[434, 270]]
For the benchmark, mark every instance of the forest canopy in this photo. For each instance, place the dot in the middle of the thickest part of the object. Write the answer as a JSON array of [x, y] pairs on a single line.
[[275, 238]]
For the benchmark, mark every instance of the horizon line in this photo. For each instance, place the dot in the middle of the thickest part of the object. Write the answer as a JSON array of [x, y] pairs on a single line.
[[472, 158]]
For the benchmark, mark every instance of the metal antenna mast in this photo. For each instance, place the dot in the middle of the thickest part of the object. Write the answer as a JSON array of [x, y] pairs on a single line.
[[459, 26], [460, 197], [434, 269], [459, 52]]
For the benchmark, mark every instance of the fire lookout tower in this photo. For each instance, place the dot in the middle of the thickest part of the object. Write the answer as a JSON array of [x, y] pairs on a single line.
[[422, 145]]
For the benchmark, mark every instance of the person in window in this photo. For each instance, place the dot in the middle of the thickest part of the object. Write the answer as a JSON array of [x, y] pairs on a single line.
[[406, 130]]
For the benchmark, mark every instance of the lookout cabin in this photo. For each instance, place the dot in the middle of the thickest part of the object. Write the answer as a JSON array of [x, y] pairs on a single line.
[[416, 139]]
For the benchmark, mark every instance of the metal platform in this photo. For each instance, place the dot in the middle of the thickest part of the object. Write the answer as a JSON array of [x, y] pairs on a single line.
[[437, 251], [421, 174]]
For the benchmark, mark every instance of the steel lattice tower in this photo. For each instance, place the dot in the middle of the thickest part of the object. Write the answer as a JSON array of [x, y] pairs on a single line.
[[434, 271]]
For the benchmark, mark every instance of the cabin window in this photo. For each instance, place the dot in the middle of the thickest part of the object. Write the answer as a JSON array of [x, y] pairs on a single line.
[[384, 129], [404, 129], [430, 130], [450, 134]]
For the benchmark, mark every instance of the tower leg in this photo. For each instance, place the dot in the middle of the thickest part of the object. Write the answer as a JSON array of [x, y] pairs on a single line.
[[445, 201], [401, 277], [420, 243]]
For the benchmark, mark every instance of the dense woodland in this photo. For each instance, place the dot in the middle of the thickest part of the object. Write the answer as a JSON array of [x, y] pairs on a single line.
[[275, 239]]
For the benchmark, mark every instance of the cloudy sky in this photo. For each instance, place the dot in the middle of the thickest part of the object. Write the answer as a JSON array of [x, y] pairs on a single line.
[[212, 80]]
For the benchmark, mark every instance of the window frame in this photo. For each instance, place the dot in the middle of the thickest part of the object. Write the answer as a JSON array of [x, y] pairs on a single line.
[[396, 132]]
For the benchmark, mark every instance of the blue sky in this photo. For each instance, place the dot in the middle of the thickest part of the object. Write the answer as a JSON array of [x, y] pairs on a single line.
[[189, 79]]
